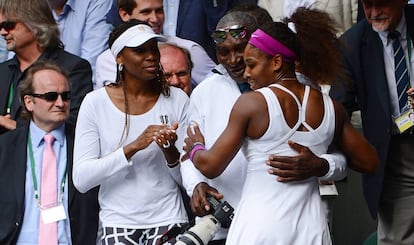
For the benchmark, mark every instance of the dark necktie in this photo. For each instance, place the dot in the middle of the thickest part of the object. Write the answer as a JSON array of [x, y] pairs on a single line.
[[401, 71]]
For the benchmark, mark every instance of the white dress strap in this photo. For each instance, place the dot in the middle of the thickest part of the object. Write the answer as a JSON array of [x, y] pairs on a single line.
[[300, 110]]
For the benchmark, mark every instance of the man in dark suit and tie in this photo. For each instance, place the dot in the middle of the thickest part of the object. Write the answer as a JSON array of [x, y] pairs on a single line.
[[72, 217], [32, 34], [380, 73]]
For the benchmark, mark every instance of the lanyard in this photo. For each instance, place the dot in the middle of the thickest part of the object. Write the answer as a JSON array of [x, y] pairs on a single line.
[[12, 91], [32, 164], [10, 101]]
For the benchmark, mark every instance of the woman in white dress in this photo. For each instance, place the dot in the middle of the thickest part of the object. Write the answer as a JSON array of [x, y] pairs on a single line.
[[125, 143], [282, 109]]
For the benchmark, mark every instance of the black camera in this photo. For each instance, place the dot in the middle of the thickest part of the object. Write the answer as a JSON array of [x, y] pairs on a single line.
[[221, 214], [222, 211]]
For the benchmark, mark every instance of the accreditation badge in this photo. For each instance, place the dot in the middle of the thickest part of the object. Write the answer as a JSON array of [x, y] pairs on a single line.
[[53, 214], [405, 120]]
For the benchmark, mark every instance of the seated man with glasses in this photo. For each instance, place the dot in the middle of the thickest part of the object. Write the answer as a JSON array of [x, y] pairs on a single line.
[[32, 34], [36, 174], [176, 63]]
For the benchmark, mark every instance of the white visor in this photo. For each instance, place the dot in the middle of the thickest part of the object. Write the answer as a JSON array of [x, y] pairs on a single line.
[[134, 37]]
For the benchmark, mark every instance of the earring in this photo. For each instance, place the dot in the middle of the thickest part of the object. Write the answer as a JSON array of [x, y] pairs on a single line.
[[120, 67], [160, 71]]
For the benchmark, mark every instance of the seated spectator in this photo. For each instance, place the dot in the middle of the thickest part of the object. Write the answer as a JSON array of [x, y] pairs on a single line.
[[35, 37], [177, 65], [152, 11], [35, 176], [83, 28]]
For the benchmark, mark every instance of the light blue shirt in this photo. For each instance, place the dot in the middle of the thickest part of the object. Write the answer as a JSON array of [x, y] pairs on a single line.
[[83, 28], [3, 49], [30, 226], [171, 15]]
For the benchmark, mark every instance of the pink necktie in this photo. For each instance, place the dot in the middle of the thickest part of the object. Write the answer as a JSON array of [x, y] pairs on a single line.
[[48, 192]]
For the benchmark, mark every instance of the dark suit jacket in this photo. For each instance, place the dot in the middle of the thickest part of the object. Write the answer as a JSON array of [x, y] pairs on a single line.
[[368, 91], [83, 208], [80, 78]]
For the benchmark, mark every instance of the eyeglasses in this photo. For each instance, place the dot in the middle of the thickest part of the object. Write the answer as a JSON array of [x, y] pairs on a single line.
[[8, 25], [52, 96], [235, 31], [180, 74]]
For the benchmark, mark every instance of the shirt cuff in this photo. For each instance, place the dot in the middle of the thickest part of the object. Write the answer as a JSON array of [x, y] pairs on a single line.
[[337, 167]]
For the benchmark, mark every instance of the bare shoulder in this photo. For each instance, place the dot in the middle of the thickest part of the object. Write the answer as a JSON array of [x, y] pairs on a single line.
[[251, 101]]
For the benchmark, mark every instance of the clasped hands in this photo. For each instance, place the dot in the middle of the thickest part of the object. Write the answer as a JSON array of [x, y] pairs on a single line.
[[164, 136]]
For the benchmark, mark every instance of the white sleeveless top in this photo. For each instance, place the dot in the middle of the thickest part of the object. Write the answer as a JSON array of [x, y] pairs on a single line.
[[271, 212]]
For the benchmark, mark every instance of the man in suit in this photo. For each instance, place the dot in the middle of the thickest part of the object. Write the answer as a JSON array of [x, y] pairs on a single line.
[[45, 93], [31, 33], [368, 56]]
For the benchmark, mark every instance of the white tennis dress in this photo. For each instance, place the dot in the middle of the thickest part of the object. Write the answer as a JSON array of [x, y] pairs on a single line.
[[271, 212]]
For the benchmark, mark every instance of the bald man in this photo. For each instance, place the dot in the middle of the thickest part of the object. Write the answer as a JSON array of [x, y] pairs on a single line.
[[176, 63]]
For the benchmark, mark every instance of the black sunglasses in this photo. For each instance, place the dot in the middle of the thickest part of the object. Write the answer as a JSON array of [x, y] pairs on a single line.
[[52, 96], [8, 25], [235, 31]]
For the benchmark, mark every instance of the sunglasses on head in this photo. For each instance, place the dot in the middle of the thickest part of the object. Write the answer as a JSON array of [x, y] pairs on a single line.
[[8, 25], [52, 96], [235, 31]]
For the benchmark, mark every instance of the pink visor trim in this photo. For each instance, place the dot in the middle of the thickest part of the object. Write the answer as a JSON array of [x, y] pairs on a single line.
[[271, 46]]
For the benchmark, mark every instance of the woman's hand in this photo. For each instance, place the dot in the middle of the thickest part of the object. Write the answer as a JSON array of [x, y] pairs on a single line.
[[166, 136], [160, 134], [193, 136]]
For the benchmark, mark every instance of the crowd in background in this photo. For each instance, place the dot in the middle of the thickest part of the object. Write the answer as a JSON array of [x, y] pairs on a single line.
[[144, 108]]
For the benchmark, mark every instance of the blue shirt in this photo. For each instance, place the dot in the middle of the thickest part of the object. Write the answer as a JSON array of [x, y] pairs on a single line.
[[3, 49], [30, 226], [171, 15], [83, 28]]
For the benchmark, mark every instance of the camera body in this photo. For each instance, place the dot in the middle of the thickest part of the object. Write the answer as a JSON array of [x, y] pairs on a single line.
[[222, 211], [221, 214]]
